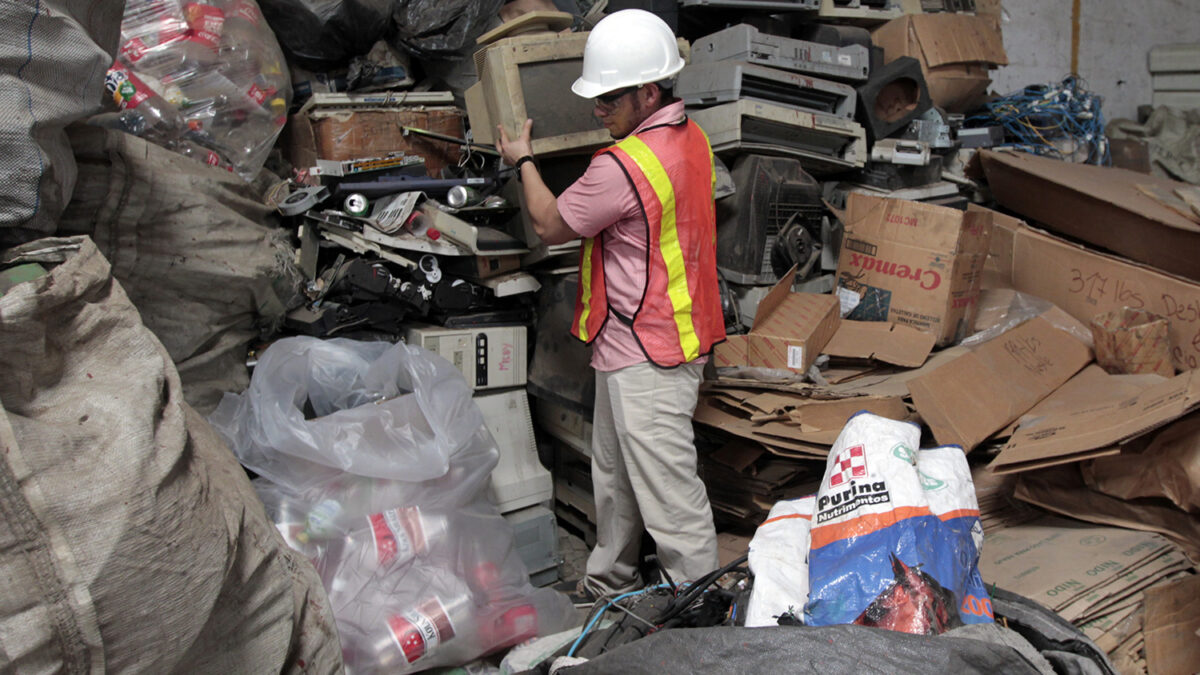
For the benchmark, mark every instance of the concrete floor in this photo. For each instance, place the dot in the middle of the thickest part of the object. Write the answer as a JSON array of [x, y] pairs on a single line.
[[574, 552]]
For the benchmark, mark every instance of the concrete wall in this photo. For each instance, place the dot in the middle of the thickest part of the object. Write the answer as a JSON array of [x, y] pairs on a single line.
[[1115, 36]]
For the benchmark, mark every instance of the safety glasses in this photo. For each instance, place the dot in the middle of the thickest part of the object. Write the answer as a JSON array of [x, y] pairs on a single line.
[[609, 101]]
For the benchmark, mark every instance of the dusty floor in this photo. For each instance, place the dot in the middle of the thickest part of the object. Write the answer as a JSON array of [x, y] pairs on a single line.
[[573, 552]]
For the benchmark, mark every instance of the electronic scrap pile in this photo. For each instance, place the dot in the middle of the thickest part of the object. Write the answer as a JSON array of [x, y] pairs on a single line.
[[873, 271]]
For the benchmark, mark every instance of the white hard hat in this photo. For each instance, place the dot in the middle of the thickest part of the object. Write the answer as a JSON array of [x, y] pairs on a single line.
[[625, 49]]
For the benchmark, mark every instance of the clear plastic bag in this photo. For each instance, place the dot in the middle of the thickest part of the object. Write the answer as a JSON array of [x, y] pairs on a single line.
[[374, 462], [1022, 307], [318, 408], [201, 74]]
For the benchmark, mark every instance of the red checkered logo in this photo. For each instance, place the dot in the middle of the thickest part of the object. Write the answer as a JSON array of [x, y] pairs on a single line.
[[851, 463]]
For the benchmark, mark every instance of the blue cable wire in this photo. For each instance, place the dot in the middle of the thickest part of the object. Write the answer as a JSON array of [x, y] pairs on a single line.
[[612, 601], [1037, 115]]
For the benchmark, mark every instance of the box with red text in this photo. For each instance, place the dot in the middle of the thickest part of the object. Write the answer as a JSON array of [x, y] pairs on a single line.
[[912, 263]]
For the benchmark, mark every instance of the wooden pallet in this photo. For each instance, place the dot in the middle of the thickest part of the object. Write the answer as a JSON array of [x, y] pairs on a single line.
[[575, 510]]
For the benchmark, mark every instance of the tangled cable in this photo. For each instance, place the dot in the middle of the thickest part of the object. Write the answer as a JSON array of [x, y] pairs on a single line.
[[1054, 120], [687, 606]]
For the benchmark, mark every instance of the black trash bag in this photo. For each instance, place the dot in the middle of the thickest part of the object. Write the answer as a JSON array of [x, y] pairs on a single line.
[[727, 650], [1036, 640], [442, 28], [1060, 642], [323, 35]]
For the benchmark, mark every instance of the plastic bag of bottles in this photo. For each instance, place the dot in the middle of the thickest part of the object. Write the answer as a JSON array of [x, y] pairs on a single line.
[[205, 78], [375, 464]]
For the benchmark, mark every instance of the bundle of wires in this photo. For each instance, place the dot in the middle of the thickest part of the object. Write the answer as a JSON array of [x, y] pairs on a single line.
[[1058, 120], [687, 606]]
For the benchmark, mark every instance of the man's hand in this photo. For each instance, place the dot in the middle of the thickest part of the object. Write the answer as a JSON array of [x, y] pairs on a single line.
[[515, 148], [539, 201]]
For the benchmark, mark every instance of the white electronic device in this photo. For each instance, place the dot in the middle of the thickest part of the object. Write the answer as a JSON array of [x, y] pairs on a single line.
[[519, 479], [489, 358]]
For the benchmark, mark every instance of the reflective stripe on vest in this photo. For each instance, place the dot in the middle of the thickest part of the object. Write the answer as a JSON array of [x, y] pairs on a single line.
[[591, 256], [668, 243]]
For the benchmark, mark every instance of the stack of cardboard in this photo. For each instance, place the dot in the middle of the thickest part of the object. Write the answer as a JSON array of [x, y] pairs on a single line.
[[1119, 447], [744, 480], [1054, 431], [1093, 576]]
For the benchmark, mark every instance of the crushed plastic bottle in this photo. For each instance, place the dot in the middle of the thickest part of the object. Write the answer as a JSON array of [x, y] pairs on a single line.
[[203, 74], [143, 111]]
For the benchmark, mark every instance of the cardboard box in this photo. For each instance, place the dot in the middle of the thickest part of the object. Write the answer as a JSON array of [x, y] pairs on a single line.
[[1084, 428], [976, 395], [734, 351], [1084, 283], [1103, 206], [790, 330], [1132, 341], [891, 343], [956, 52], [1172, 627], [912, 263]]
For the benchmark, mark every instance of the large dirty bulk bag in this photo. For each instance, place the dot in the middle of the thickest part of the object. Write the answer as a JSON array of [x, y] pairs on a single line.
[[53, 57], [130, 539], [193, 246]]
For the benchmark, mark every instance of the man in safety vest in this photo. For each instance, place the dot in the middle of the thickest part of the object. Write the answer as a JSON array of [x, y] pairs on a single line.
[[648, 301]]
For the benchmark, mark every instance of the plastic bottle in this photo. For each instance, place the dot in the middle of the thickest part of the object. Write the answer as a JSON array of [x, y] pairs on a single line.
[[428, 632], [146, 113], [246, 60], [201, 154], [374, 555], [399, 535], [171, 41], [500, 626]]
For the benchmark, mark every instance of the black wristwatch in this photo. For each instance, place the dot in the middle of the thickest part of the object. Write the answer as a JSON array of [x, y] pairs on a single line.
[[517, 164]]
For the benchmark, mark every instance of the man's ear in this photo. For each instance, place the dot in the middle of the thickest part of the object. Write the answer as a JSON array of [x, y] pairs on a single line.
[[653, 95]]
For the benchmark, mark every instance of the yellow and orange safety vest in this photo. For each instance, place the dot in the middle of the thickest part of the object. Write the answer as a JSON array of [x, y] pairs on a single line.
[[679, 318]]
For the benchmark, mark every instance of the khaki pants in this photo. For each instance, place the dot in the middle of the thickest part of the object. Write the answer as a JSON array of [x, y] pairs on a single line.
[[644, 476]]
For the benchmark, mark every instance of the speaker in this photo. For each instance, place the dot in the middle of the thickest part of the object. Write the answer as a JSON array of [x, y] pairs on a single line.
[[894, 95]]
